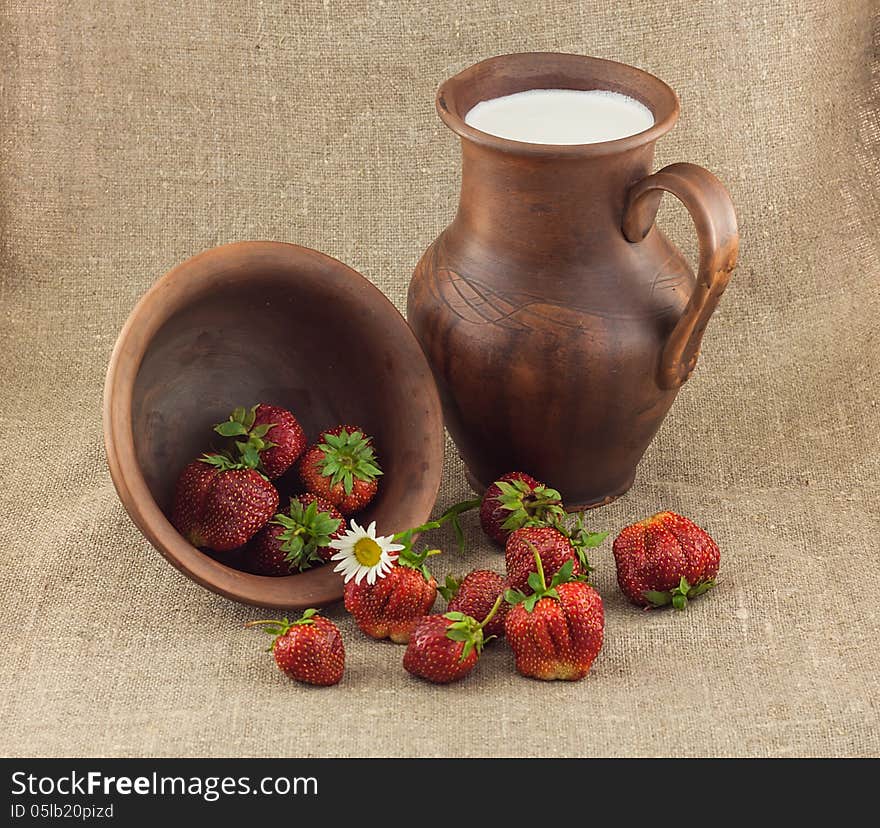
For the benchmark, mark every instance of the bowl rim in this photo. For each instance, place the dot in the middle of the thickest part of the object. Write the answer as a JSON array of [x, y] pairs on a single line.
[[149, 314]]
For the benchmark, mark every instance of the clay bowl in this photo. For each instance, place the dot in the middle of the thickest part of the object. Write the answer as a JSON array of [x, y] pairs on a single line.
[[275, 323]]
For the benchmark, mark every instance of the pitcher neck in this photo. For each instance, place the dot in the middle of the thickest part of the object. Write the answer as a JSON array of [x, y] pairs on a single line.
[[515, 202]]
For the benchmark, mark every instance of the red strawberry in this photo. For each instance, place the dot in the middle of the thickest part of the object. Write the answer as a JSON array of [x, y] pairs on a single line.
[[475, 595], [665, 559], [517, 500], [556, 632], [445, 648], [391, 607], [342, 468], [556, 545], [295, 541], [266, 436], [309, 649], [220, 504]]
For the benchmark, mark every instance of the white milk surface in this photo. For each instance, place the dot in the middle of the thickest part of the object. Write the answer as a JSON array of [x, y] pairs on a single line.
[[561, 116]]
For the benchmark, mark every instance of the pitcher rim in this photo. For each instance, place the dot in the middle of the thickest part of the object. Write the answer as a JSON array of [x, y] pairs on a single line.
[[629, 80]]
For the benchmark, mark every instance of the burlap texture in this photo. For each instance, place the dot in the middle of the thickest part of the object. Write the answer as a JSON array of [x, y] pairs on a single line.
[[137, 135]]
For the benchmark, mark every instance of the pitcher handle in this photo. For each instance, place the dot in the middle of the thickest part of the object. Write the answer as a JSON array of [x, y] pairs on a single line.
[[712, 212]]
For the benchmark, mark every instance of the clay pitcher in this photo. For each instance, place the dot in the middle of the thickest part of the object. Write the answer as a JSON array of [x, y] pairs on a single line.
[[558, 320]]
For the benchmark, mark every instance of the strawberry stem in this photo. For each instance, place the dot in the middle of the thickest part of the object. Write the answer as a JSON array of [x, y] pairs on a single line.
[[461, 508], [266, 621], [539, 564], [450, 514], [279, 628], [492, 612], [538, 502]]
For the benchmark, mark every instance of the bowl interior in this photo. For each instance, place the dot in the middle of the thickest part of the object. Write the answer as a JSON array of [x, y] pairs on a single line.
[[291, 328]]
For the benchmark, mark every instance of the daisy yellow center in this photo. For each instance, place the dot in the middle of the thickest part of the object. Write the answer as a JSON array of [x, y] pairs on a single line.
[[367, 552]]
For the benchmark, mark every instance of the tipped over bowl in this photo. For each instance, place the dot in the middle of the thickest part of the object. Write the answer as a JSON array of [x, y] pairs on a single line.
[[266, 322]]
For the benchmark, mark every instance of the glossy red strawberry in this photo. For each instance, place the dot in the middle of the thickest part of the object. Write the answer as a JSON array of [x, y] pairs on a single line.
[[266, 437], [342, 468], [309, 649], [665, 559], [296, 540], [445, 648], [516, 500], [555, 544], [556, 631], [220, 505], [475, 595], [391, 607]]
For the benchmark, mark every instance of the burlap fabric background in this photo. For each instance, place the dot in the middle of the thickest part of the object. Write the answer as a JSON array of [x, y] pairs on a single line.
[[137, 135]]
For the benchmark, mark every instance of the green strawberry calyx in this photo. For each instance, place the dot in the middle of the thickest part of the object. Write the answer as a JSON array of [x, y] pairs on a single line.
[[278, 628], [679, 596], [414, 560], [450, 588], [249, 440], [348, 456], [223, 461], [469, 631], [538, 583], [581, 539], [540, 506], [307, 530]]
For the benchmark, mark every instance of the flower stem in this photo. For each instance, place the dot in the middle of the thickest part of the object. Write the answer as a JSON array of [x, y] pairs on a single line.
[[460, 508]]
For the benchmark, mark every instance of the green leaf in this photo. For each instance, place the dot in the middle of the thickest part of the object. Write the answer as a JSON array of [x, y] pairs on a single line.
[[512, 522], [506, 487], [456, 616], [222, 461], [514, 596], [594, 539], [292, 543], [530, 602], [679, 601], [404, 537], [250, 457], [459, 535], [701, 588], [261, 431], [658, 599], [457, 634], [449, 589], [458, 509], [563, 575], [683, 585], [467, 649], [230, 429], [535, 582]]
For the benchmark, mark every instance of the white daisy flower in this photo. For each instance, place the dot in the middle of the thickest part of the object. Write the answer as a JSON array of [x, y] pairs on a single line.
[[361, 554]]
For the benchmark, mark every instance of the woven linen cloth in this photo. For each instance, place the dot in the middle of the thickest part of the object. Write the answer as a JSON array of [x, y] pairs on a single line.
[[139, 134]]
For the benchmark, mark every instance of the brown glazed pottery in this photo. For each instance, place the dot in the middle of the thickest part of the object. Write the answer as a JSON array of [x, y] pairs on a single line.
[[276, 323], [558, 320]]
